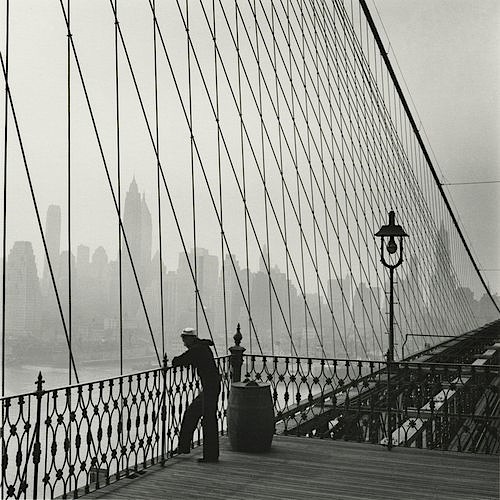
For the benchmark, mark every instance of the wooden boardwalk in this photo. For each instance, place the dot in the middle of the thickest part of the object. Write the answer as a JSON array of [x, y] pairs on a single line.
[[302, 468]]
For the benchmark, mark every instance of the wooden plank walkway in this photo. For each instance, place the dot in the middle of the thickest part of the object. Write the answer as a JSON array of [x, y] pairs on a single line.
[[302, 468]]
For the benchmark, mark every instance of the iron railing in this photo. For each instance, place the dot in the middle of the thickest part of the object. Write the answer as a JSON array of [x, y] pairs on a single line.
[[69, 441], [72, 440]]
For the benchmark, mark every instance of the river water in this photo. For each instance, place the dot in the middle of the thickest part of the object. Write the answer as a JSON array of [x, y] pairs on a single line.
[[22, 379]]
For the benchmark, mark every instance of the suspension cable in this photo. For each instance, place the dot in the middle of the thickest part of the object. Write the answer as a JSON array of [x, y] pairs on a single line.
[[158, 184], [68, 67], [423, 147], [5, 171], [108, 177], [37, 212]]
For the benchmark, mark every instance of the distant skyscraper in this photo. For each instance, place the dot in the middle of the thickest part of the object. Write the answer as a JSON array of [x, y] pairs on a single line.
[[146, 233], [138, 226], [53, 240], [138, 229], [23, 291]]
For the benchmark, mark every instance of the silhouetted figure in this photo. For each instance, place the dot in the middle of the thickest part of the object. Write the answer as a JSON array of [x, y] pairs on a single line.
[[204, 405]]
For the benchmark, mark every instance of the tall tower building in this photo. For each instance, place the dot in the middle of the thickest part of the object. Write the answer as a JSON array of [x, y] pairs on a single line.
[[138, 229], [146, 233], [23, 295], [53, 239], [132, 219]]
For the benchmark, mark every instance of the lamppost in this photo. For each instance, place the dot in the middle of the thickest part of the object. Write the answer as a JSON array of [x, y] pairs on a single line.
[[391, 231]]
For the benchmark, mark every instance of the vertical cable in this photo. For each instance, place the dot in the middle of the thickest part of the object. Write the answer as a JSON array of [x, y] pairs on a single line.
[[219, 171], [158, 190], [119, 209], [330, 118], [345, 299], [119, 187], [297, 176], [68, 62], [261, 113], [283, 183], [299, 207], [4, 230], [191, 149], [240, 104], [320, 154], [70, 319]]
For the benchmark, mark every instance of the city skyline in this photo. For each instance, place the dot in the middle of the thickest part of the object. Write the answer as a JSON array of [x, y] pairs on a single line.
[[221, 299]]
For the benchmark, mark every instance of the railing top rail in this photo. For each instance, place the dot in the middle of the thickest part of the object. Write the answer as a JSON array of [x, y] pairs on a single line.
[[378, 361], [310, 358]]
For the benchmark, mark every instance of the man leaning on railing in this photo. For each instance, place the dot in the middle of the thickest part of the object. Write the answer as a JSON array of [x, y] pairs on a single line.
[[199, 355]]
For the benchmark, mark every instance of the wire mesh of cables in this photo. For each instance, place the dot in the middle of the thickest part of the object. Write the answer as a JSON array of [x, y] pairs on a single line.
[[243, 154]]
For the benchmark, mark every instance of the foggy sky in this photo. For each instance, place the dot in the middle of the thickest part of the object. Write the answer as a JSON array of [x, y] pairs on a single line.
[[449, 55]]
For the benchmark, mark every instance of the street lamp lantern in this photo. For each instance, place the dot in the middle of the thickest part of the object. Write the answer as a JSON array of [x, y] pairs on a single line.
[[391, 231]]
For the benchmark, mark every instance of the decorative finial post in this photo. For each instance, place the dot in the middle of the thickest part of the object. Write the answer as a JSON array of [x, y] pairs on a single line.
[[39, 383], [163, 415], [236, 359], [37, 446]]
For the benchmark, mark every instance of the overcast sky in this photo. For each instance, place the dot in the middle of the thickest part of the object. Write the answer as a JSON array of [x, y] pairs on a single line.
[[449, 55]]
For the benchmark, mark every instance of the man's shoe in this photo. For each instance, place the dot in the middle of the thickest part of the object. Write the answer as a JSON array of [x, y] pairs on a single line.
[[208, 460]]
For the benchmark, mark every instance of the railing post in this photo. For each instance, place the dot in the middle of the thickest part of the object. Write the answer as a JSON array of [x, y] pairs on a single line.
[[163, 409], [236, 359], [389, 426], [37, 448]]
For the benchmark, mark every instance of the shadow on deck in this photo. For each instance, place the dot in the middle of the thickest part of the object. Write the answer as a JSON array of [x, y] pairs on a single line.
[[302, 468]]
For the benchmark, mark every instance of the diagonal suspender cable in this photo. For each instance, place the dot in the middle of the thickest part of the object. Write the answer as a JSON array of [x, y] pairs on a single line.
[[108, 177], [5, 172], [191, 158], [219, 173], [271, 146], [398, 146], [203, 170], [263, 160], [119, 190], [260, 174], [398, 118], [271, 206], [37, 212], [305, 192], [282, 179], [302, 188], [158, 185], [151, 137], [199, 159], [350, 37], [243, 165], [381, 107]]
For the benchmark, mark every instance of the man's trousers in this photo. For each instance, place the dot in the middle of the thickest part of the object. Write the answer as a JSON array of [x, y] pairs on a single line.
[[204, 405]]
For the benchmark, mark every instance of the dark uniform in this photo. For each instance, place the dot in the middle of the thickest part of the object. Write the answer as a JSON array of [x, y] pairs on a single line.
[[204, 405]]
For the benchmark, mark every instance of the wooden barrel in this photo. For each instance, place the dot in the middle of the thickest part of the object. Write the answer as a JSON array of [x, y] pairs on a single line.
[[250, 416]]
